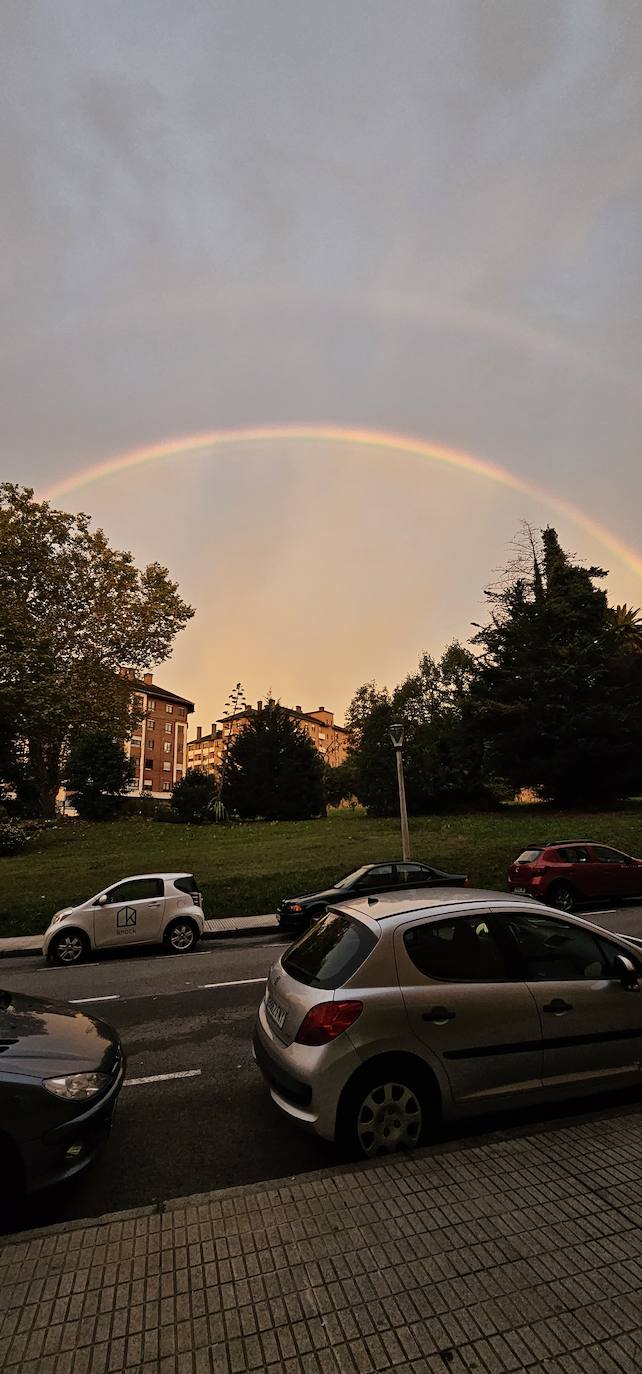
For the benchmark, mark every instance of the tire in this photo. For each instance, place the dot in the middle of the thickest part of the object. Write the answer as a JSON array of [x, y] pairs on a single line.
[[69, 947], [387, 1108], [181, 936], [562, 896]]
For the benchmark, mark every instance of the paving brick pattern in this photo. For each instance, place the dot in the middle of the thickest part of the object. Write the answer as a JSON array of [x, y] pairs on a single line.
[[516, 1254]]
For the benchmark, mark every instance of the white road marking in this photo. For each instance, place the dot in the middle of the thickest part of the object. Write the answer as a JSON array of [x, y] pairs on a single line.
[[161, 1077], [238, 983], [76, 1001]]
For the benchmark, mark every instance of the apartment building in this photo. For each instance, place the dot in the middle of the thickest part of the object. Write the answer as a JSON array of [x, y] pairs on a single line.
[[206, 751], [158, 746]]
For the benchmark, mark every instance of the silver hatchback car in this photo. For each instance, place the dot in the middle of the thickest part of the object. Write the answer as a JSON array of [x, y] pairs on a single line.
[[392, 1012]]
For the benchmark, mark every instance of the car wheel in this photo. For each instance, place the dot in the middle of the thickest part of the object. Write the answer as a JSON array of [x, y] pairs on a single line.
[[387, 1110], [181, 936], [561, 896], [70, 947]]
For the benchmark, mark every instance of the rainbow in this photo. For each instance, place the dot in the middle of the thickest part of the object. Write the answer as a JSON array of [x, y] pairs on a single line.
[[374, 440]]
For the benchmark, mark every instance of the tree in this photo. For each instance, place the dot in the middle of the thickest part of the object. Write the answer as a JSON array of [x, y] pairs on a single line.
[[339, 782], [273, 770], [558, 691], [193, 796], [98, 772], [444, 756], [72, 610], [629, 624]]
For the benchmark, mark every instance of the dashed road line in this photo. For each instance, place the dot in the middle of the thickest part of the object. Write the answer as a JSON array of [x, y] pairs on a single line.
[[161, 1077], [237, 983], [77, 1001]]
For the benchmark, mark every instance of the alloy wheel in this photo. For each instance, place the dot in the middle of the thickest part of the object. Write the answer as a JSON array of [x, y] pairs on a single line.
[[182, 936], [69, 949], [563, 899], [389, 1119]]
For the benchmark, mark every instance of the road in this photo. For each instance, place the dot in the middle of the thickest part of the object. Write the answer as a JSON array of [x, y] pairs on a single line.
[[194, 1114]]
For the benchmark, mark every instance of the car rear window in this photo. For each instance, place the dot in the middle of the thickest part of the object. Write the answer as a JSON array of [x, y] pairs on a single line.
[[188, 884], [328, 954], [529, 856]]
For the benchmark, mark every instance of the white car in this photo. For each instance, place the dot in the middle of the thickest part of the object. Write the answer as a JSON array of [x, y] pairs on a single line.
[[148, 909]]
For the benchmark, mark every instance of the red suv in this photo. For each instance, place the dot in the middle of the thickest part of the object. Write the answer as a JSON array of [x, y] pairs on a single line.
[[565, 874]]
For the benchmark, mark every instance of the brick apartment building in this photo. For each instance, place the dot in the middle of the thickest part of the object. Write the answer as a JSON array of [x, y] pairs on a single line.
[[158, 746], [206, 751]]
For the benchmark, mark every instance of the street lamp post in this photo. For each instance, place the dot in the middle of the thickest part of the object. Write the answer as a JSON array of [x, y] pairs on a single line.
[[396, 735]]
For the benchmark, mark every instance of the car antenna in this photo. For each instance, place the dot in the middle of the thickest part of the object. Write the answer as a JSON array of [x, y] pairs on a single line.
[[372, 901]]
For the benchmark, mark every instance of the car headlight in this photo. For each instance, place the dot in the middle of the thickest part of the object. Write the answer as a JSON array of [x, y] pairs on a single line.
[[59, 916], [76, 1087]]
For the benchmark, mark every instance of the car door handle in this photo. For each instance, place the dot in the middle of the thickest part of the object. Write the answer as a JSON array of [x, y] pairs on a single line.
[[557, 1007], [438, 1015]]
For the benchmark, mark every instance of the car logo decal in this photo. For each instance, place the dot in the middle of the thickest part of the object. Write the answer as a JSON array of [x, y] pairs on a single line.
[[126, 917]]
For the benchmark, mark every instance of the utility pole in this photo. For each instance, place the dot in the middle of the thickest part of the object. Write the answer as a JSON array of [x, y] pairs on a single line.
[[396, 735]]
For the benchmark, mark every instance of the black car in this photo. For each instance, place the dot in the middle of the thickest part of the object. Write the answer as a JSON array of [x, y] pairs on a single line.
[[296, 913], [60, 1074]]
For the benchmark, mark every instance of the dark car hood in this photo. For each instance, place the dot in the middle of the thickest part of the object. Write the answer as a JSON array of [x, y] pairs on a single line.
[[46, 1038], [331, 894]]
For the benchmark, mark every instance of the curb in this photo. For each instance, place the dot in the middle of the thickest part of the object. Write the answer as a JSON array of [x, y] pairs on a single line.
[[234, 934], [335, 1169]]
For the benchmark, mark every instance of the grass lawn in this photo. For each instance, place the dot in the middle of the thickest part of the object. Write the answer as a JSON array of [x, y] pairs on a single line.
[[245, 870]]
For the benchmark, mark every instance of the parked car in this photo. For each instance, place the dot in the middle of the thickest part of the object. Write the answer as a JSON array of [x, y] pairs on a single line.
[[149, 909], [60, 1074], [295, 913], [566, 873], [385, 1017]]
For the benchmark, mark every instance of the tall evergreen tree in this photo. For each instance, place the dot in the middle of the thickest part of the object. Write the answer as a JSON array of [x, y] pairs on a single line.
[[273, 770], [558, 690]]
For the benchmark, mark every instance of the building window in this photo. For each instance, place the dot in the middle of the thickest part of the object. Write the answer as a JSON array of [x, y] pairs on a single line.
[[147, 782], [166, 767], [149, 763], [168, 728], [138, 703], [169, 708], [167, 748], [149, 744], [136, 740], [321, 736], [151, 703], [167, 786], [151, 725], [179, 772]]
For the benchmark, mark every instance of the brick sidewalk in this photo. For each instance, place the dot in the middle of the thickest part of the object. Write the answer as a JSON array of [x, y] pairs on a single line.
[[523, 1253]]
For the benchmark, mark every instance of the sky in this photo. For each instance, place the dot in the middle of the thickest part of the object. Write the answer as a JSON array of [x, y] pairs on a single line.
[[414, 217]]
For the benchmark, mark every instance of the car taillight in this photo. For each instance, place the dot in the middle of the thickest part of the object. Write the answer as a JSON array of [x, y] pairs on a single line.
[[466, 882], [326, 1021]]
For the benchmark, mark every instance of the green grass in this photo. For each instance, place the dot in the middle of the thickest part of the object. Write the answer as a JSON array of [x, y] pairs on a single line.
[[245, 870]]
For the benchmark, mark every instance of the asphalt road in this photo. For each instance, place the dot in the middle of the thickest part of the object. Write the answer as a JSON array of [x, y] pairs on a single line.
[[194, 1114]]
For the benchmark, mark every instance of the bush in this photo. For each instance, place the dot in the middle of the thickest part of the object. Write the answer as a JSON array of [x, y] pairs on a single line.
[[192, 796], [150, 808], [13, 837]]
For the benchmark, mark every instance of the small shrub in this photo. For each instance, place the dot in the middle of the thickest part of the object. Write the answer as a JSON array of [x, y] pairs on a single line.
[[13, 838], [150, 808]]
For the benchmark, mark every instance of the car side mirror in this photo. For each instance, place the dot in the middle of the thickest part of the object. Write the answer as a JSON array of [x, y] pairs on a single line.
[[102, 900], [626, 972]]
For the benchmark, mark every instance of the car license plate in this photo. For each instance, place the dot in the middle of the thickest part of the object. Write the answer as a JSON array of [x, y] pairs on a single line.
[[520, 890], [276, 1012]]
